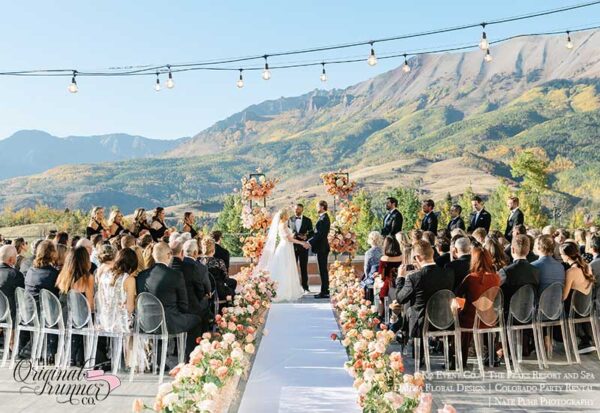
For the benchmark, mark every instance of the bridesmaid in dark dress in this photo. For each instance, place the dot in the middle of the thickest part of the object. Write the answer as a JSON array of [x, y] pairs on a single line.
[[388, 266], [96, 224], [140, 222], [115, 222], [189, 221], [158, 229]]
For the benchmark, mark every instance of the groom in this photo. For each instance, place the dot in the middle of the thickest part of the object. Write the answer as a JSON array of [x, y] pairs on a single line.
[[320, 246], [302, 228]]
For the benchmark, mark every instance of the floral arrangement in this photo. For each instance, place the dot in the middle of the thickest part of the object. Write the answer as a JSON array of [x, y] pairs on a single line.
[[347, 215], [256, 218], [342, 239], [253, 246], [338, 184], [256, 189], [221, 356]]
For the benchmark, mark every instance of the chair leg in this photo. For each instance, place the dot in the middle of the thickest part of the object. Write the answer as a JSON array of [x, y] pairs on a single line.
[[542, 352], [67, 355], [417, 351], [446, 353], [573, 339], [15, 347], [60, 350], [479, 352], [117, 351], [427, 357], [565, 336], [594, 326], [7, 337], [505, 350], [511, 344], [35, 338], [181, 339], [538, 344], [134, 356], [163, 359], [491, 347], [458, 351], [94, 348]]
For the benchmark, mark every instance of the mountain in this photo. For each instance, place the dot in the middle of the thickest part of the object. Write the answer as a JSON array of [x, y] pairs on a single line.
[[31, 151], [454, 120]]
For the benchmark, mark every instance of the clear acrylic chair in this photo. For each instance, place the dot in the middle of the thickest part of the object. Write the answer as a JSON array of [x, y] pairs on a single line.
[[521, 316], [51, 322], [489, 319], [551, 313], [105, 318], [581, 312], [6, 324], [79, 322], [150, 323], [441, 320], [26, 319]]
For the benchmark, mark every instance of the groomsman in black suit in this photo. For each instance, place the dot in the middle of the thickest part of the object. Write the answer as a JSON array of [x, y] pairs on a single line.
[[456, 221], [479, 218], [320, 246], [392, 222], [515, 218], [430, 221], [302, 228]]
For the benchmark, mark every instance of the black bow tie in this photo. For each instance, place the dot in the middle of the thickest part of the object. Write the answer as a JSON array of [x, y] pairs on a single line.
[[297, 218]]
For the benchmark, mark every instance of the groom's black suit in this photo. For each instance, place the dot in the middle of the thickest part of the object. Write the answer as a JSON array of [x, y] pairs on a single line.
[[320, 246], [306, 231]]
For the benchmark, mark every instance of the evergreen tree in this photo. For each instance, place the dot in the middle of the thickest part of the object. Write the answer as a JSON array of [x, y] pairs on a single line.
[[230, 223], [444, 209], [367, 220]]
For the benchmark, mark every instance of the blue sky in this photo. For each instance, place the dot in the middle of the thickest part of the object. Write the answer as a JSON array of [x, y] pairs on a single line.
[[101, 34]]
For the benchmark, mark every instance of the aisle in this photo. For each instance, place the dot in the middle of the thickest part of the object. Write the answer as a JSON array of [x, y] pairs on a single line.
[[298, 368]]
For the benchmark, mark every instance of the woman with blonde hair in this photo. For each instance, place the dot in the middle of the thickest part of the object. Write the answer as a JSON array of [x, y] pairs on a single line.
[[371, 262], [140, 223], [115, 223], [96, 224]]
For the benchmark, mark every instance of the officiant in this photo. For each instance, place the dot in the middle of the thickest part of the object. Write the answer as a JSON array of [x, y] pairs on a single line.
[[302, 229]]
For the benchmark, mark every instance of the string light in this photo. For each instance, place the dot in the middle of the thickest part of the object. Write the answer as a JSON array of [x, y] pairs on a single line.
[[157, 84], [372, 60], [323, 74], [488, 56], [484, 44], [170, 82], [569, 42], [266, 75], [240, 82], [73, 86], [405, 66]]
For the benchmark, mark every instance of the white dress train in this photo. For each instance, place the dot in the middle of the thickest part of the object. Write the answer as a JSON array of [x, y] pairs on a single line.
[[283, 269]]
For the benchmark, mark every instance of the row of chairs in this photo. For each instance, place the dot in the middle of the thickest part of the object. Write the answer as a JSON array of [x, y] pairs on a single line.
[[524, 313], [149, 324]]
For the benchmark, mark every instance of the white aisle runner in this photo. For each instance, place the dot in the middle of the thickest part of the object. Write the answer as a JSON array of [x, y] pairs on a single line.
[[298, 368]]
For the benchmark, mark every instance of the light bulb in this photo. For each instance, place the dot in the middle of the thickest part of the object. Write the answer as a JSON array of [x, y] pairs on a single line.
[[157, 84], [266, 75], [240, 82], [405, 66], [569, 42], [323, 76], [170, 83], [483, 43], [488, 56], [73, 86], [372, 60]]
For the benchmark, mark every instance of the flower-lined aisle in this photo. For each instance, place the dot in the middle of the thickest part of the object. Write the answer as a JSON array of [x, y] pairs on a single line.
[[378, 377]]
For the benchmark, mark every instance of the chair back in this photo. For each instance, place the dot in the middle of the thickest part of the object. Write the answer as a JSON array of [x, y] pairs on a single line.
[[439, 311], [5, 309], [488, 307], [51, 310], [550, 307], [581, 304], [79, 313], [522, 305], [26, 308], [150, 314]]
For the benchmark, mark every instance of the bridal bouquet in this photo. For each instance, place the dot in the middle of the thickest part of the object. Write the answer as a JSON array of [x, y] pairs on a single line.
[[257, 189], [338, 184], [256, 219], [253, 246]]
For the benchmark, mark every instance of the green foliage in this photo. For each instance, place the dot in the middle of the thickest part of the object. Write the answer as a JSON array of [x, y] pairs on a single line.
[[444, 208], [230, 223], [367, 220], [496, 206], [73, 222], [532, 168], [409, 205], [465, 202]]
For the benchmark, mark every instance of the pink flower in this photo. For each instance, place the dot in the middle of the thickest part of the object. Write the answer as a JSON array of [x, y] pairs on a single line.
[[447, 409], [138, 406]]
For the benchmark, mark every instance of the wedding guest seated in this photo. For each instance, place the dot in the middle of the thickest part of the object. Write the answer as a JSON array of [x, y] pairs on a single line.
[[430, 237], [595, 264], [520, 272], [87, 244], [42, 274], [27, 263], [461, 260], [550, 269], [168, 286], [61, 256], [10, 277], [106, 258], [499, 257], [371, 264], [129, 241], [21, 246], [144, 241], [220, 251], [517, 230], [191, 251], [442, 246], [560, 236], [420, 285], [225, 285], [482, 276], [579, 237], [531, 257], [388, 267], [76, 275], [479, 234], [578, 277]]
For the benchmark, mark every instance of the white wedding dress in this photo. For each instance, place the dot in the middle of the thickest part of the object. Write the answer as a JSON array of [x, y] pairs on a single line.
[[280, 262]]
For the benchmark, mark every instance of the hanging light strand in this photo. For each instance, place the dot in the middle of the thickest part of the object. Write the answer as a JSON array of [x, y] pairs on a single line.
[[372, 60], [240, 82], [569, 44], [73, 88], [266, 75], [157, 84], [170, 82], [323, 76]]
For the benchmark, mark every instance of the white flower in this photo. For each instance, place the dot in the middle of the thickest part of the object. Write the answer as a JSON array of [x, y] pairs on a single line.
[[206, 406], [229, 338], [170, 399], [237, 354], [364, 388], [210, 388], [164, 389], [369, 374]]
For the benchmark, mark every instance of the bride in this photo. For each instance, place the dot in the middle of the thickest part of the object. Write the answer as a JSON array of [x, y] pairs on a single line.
[[280, 260]]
